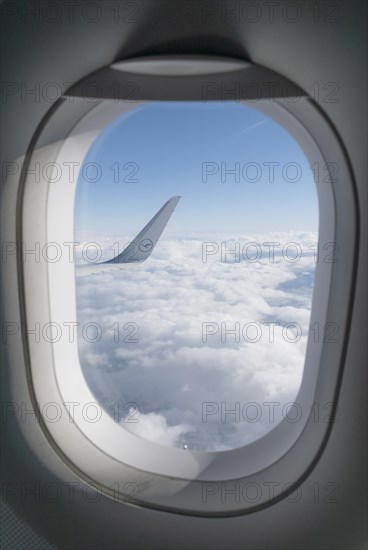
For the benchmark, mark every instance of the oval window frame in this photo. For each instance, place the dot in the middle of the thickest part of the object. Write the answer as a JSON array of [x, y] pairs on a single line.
[[179, 480]]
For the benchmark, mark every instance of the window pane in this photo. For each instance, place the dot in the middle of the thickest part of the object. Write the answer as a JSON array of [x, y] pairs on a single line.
[[202, 345]]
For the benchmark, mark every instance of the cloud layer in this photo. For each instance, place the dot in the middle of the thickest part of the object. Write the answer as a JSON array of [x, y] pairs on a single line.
[[189, 354]]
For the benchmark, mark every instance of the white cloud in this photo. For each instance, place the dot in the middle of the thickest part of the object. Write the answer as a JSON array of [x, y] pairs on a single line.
[[171, 373], [154, 427]]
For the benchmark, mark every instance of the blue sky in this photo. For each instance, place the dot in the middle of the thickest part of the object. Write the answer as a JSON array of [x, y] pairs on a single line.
[[164, 146]]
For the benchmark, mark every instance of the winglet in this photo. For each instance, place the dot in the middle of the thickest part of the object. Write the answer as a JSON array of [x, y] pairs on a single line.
[[142, 245]]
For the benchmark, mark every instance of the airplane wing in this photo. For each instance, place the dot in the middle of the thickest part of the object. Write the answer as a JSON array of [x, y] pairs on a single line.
[[141, 246]]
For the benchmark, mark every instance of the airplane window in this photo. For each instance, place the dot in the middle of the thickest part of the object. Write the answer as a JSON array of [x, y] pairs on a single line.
[[197, 226]]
